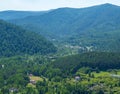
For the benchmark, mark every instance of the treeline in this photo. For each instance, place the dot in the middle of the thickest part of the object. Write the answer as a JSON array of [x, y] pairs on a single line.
[[94, 60], [16, 41], [14, 72]]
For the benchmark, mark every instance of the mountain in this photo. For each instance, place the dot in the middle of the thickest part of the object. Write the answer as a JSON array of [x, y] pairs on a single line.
[[17, 41], [67, 20], [9, 15], [97, 27]]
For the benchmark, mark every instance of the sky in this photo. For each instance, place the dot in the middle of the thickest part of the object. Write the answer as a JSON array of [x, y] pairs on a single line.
[[39, 5]]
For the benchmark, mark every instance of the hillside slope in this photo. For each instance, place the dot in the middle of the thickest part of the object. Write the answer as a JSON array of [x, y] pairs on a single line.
[[66, 21], [15, 41], [97, 27], [99, 60]]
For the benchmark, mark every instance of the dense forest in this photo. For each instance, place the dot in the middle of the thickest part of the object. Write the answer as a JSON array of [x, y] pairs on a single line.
[[95, 60], [60, 51], [58, 77], [16, 41], [96, 27]]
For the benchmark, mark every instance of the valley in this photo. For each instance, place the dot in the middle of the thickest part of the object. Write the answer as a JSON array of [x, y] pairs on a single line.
[[60, 51]]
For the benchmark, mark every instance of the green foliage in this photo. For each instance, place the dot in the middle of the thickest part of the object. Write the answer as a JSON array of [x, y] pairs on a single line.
[[16, 41], [14, 74], [71, 30], [97, 27], [95, 60]]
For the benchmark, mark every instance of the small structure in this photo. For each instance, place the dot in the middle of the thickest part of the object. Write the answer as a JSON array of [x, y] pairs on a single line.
[[33, 82], [3, 66], [115, 76], [13, 90], [77, 78], [30, 75]]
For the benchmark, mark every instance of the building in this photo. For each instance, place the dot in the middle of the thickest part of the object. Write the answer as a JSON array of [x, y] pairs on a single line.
[[77, 78]]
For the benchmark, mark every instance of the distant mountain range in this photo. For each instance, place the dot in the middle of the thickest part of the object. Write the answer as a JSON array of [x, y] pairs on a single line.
[[97, 26], [17, 41], [10, 14]]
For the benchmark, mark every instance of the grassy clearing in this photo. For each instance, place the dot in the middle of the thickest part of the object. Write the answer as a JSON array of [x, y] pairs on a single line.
[[36, 78], [101, 74], [31, 85]]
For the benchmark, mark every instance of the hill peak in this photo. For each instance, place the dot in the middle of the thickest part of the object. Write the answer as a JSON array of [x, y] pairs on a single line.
[[108, 5]]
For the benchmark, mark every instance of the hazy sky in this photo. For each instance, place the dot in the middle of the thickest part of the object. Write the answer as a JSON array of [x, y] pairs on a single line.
[[49, 4]]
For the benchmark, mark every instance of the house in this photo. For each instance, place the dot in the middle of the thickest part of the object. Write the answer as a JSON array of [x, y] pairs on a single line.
[[115, 76], [13, 90], [77, 78], [33, 82], [30, 75]]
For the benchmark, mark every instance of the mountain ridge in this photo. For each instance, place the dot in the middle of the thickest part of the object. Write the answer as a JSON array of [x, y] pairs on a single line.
[[13, 14], [96, 26], [67, 16]]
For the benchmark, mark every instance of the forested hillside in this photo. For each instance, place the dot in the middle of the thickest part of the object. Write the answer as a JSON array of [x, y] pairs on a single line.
[[78, 52], [96, 27], [96, 72], [17, 41], [71, 21], [94, 60]]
